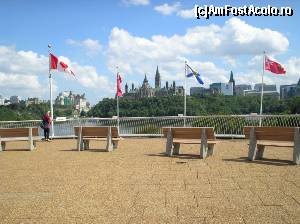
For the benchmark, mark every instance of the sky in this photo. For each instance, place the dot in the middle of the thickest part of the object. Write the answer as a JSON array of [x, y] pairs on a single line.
[[95, 37]]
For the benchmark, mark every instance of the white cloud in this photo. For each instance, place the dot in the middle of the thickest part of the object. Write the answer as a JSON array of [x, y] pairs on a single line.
[[25, 73], [186, 13], [238, 36], [22, 85], [136, 55], [92, 47], [89, 78], [232, 62], [293, 69], [136, 2], [22, 62], [167, 9]]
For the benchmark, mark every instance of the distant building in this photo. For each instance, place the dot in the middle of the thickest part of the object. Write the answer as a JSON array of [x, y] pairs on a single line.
[[199, 91], [226, 89], [222, 88], [146, 91], [67, 98], [15, 99], [258, 86], [287, 91], [274, 94], [31, 101], [239, 89]]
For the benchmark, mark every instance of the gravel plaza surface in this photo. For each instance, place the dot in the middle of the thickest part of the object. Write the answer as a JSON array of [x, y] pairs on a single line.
[[137, 183]]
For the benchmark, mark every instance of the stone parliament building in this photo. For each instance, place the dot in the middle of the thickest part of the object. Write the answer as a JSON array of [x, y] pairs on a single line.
[[146, 91]]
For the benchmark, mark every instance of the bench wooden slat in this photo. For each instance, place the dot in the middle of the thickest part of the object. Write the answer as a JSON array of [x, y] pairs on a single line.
[[189, 132], [204, 136], [29, 134], [271, 133], [100, 131], [19, 139], [17, 132], [275, 143], [259, 137]]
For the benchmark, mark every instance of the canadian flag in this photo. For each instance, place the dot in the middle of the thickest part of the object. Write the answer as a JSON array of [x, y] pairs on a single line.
[[59, 65], [273, 66], [119, 83]]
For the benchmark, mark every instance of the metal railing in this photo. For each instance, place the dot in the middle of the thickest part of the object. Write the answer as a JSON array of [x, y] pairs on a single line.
[[225, 125]]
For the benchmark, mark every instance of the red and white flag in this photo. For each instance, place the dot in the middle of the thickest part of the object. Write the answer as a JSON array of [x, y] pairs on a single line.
[[119, 82], [273, 66], [55, 63]]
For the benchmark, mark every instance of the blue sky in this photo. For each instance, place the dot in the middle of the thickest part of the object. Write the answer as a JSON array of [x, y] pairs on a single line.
[[94, 37]]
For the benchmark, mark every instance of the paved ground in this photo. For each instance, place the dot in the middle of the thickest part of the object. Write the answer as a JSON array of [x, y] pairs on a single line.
[[138, 184]]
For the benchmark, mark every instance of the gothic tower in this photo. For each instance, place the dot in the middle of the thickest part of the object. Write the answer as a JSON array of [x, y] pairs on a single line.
[[126, 88], [157, 79], [233, 82]]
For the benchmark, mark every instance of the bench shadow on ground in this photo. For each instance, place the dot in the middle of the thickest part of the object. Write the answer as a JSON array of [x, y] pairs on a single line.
[[87, 150], [18, 150], [263, 161], [180, 156]]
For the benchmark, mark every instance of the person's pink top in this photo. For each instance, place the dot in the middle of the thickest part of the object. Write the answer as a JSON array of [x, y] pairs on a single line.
[[47, 120]]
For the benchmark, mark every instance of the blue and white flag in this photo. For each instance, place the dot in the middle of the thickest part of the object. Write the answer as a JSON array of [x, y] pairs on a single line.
[[191, 72]]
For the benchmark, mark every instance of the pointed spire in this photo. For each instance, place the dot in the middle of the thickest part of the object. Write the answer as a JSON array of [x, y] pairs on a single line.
[[145, 79], [157, 79], [299, 82], [231, 80], [231, 77]]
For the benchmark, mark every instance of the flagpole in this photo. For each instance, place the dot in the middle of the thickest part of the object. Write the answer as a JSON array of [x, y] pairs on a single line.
[[262, 89], [51, 97], [118, 121], [184, 113]]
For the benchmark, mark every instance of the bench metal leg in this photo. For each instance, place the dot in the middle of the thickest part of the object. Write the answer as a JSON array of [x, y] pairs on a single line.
[[79, 139], [81, 145], [30, 140], [34, 144], [2, 146], [115, 144], [203, 151], [78, 143], [252, 145], [210, 149], [109, 146], [203, 145], [259, 151], [169, 144], [86, 145], [176, 148], [296, 152]]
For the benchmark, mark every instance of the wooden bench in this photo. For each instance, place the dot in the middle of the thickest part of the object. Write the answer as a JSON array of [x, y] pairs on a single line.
[[86, 133], [204, 136], [19, 134], [260, 137]]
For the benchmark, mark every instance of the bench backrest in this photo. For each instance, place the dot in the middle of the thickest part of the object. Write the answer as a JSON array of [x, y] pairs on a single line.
[[17, 132], [99, 132], [271, 133], [190, 132]]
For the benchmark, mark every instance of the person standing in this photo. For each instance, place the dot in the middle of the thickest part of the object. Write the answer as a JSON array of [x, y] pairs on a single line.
[[47, 123]]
